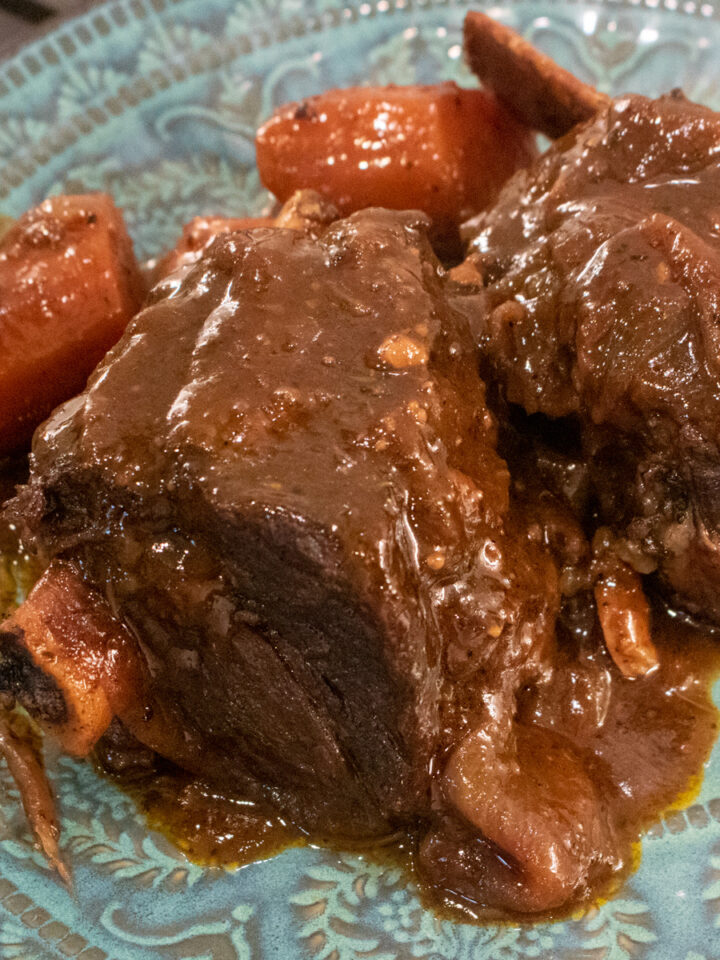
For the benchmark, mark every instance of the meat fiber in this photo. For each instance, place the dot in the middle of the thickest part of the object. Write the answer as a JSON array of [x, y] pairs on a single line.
[[283, 554]]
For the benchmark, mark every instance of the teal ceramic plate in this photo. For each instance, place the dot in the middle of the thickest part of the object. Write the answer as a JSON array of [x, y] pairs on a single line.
[[157, 101]]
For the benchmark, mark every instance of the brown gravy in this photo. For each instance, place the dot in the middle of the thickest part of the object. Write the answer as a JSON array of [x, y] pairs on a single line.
[[649, 750], [510, 739]]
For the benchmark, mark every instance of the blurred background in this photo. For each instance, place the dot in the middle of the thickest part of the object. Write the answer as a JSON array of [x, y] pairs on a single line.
[[22, 21]]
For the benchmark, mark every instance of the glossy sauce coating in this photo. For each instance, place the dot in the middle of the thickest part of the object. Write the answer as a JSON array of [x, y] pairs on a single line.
[[293, 500], [647, 752], [648, 739], [341, 611], [602, 269]]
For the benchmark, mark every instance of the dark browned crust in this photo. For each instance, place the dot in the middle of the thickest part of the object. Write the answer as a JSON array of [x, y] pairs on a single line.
[[25, 681], [530, 84]]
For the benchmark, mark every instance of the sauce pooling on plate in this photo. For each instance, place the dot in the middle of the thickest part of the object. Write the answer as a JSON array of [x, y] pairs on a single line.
[[648, 753]]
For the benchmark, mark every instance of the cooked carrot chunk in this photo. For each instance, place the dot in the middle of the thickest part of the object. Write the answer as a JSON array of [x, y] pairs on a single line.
[[69, 283], [440, 149]]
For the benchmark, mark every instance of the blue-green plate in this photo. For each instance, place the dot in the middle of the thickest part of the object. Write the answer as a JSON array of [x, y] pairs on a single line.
[[157, 101]]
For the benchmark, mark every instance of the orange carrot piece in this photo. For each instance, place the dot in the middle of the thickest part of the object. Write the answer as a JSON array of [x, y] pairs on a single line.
[[440, 149], [69, 283]]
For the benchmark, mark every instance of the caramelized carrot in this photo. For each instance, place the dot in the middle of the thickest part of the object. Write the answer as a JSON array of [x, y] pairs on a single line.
[[440, 149], [69, 283]]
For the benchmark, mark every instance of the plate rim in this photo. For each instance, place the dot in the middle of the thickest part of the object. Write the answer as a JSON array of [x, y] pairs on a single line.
[[47, 55]]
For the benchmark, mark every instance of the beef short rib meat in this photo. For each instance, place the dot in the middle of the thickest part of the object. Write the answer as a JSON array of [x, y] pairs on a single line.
[[284, 554], [602, 269], [283, 482]]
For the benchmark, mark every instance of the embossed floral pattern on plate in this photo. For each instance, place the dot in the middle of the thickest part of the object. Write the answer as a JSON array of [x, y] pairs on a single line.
[[157, 101]]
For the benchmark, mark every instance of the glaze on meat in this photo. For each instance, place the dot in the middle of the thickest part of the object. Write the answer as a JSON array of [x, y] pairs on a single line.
[[286, 560], [295, 568], [303, 522], [603, 282]]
